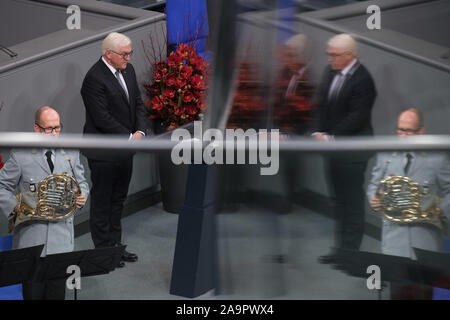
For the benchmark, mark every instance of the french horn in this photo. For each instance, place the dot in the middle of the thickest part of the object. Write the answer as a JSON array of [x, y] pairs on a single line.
[[56, 200], [402, 204]]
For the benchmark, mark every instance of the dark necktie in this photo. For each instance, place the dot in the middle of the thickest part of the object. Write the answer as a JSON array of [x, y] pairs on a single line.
[[122, 84], [408, 163], [49, 160], [334, 91]]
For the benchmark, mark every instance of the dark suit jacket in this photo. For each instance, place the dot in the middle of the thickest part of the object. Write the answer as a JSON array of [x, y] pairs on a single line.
[[108, 110], [350, 113]]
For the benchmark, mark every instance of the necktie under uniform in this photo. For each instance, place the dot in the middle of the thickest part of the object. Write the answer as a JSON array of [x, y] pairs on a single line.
[[408, 163], [49, 160], [119, 78]]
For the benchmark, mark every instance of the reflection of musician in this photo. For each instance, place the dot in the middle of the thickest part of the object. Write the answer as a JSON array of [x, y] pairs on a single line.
[[431, 171], [22, 172]]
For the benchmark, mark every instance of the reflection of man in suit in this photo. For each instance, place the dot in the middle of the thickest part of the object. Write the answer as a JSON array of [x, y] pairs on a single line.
[[292, 110], [113, 106], [346, 97], [22, 172], [432, 172]]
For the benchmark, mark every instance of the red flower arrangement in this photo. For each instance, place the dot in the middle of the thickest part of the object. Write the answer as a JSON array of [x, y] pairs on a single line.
[[176, 96], [291, 109], [248, 106]]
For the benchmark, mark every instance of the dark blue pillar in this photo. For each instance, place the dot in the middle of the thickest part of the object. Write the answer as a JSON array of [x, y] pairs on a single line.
[[194, 263]]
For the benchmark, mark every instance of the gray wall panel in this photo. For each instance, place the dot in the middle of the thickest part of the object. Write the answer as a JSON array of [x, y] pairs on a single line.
[[30, 20]]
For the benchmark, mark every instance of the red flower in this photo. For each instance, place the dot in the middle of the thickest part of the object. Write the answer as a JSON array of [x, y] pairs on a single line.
[[156, 103], [198, 63], [191, 109], [197, 82], [187, 96], [185, 72], [161, 65], [198, 94], [170, 80], [169, 93], [201, 65], [195, 61], [174, 60], [185, 51], [160, 71], [181, 82], [201, 106], [179, 110]]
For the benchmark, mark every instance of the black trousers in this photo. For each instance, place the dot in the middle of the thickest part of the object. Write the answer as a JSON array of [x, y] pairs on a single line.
[[110, 181], [346, 181], [49, 290]]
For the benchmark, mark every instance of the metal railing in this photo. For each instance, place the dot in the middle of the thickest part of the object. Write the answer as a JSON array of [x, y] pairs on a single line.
[[292, 144]]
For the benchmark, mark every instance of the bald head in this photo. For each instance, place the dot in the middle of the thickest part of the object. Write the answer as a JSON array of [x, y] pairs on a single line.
[[46, 120], [410, 122]]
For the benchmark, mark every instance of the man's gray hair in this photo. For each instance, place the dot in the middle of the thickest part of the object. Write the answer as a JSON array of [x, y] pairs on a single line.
[[302, 45], [345, 42], [114, 41]]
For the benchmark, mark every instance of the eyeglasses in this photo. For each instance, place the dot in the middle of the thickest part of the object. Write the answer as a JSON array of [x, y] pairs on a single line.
[[335, 55], [123, 55], [50, 129], [408, 131]]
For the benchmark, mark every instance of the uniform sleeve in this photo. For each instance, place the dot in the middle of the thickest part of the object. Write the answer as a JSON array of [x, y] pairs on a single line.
[[376, 176], [79, 173], [444, 186], [9, 180]]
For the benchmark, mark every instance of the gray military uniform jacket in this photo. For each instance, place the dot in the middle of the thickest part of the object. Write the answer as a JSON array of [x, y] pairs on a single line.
[[429, 169], [22, 173]]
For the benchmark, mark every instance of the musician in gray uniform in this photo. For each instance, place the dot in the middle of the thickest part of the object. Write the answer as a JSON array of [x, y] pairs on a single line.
[[431, 170], [21, 174]]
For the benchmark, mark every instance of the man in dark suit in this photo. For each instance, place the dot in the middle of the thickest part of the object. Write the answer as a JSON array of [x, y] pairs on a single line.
[[346, 97], [113, 106]]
